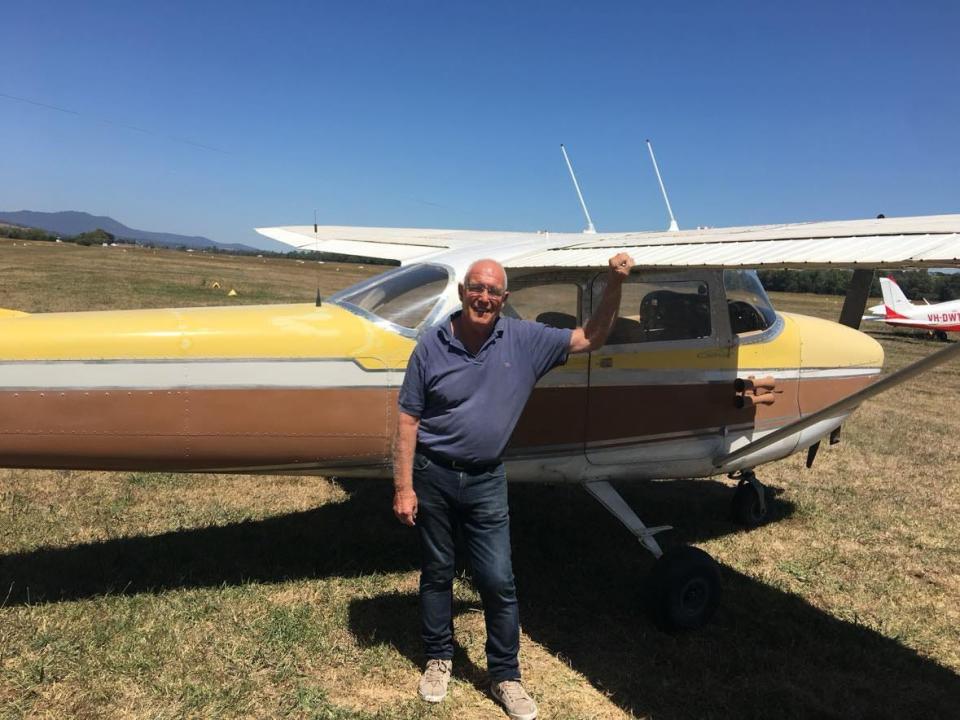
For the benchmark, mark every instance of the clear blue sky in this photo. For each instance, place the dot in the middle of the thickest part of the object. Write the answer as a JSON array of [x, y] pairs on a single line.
[[212, 118]]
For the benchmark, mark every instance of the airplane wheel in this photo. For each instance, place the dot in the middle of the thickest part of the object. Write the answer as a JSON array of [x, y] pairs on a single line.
[[685, 588], [746, 507]]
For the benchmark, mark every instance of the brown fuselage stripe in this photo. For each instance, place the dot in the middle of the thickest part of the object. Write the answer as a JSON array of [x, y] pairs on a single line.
[[221, 428], [194, 428]]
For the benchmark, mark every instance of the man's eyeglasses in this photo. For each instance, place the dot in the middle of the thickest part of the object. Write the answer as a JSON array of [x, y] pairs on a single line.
[[478, 288]]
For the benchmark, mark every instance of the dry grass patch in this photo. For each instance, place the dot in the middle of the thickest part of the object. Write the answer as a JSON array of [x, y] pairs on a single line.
[[53, 507], [54, 277]]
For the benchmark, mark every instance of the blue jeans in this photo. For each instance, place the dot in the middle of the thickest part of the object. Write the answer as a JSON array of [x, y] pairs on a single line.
[[476, 503]]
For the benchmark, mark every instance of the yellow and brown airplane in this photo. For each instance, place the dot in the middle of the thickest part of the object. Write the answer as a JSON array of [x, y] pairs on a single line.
[[700, 376]]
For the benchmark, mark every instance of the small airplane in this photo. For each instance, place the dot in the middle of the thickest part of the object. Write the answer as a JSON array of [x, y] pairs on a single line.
[[700, 377], [898, 311]]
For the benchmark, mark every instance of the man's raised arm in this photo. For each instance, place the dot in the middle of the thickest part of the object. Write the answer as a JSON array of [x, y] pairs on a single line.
[[404, 446], [593, 335]]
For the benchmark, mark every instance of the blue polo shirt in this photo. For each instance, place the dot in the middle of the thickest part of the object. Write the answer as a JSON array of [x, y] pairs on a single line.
[[469, 404]]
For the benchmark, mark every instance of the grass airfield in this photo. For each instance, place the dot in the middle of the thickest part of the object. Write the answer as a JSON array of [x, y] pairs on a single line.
[[164, 596]]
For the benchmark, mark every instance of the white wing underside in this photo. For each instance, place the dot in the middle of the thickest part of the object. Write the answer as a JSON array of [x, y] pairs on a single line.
[[928, 241], [403, 244]]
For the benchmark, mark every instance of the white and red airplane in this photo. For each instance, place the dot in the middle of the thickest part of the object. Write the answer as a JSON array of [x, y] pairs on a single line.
[[897, 310]]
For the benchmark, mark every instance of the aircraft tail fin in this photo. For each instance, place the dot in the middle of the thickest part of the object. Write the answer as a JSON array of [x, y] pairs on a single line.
[[894, 300]]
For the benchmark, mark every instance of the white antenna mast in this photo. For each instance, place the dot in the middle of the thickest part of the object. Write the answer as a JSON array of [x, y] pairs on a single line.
[[673, 221], [590, 229]]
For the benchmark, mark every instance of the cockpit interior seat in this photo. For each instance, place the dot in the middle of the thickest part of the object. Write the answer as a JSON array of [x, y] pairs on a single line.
[[557, 320]]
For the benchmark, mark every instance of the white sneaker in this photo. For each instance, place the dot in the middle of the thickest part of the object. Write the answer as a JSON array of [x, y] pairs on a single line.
[[514, 698], [433, 682]]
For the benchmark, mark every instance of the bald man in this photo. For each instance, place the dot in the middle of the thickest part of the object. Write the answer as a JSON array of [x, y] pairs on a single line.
[[465, 386]]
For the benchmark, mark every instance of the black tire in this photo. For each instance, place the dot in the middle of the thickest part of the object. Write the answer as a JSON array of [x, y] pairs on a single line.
[[684, 589], [745, 507]]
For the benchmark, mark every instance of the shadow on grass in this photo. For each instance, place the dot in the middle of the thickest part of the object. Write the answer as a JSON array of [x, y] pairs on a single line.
[[765, 654], [356, 537], [580, 577]]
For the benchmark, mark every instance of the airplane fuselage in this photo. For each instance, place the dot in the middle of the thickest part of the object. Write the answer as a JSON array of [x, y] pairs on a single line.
[[941, 316], [306, 389]]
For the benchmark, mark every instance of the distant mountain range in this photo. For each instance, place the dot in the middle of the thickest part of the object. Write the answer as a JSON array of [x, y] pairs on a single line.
[[72, 222]]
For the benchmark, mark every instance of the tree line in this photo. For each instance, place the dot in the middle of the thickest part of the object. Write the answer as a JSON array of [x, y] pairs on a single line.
[[92, 237], [916, 284]]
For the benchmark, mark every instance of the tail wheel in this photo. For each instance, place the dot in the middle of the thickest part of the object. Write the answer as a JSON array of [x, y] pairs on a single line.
[[684, 588]]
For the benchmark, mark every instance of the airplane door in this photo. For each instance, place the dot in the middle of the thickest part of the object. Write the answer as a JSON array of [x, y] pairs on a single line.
[[554, 419], [660, 390]]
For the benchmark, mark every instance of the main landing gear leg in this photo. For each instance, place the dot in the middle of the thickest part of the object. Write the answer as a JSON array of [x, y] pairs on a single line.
[[685, 581]]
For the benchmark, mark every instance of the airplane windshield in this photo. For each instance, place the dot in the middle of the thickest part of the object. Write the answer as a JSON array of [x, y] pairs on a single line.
[[404, 296], [747, 302]]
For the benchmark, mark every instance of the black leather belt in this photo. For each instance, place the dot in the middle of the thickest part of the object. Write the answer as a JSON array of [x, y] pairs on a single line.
[[457, 465]]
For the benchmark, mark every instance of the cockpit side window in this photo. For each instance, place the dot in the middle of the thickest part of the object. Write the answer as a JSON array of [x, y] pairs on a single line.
[[747, 302], [404, 297], [553, 304], [660, 311]]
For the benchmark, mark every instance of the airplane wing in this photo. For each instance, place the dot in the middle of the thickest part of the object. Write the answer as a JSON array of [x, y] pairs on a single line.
[[927, 241], [402, 244]]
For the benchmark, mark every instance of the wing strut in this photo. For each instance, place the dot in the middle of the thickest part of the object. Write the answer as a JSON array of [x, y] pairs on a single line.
[[848, 403], [856, 300]]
